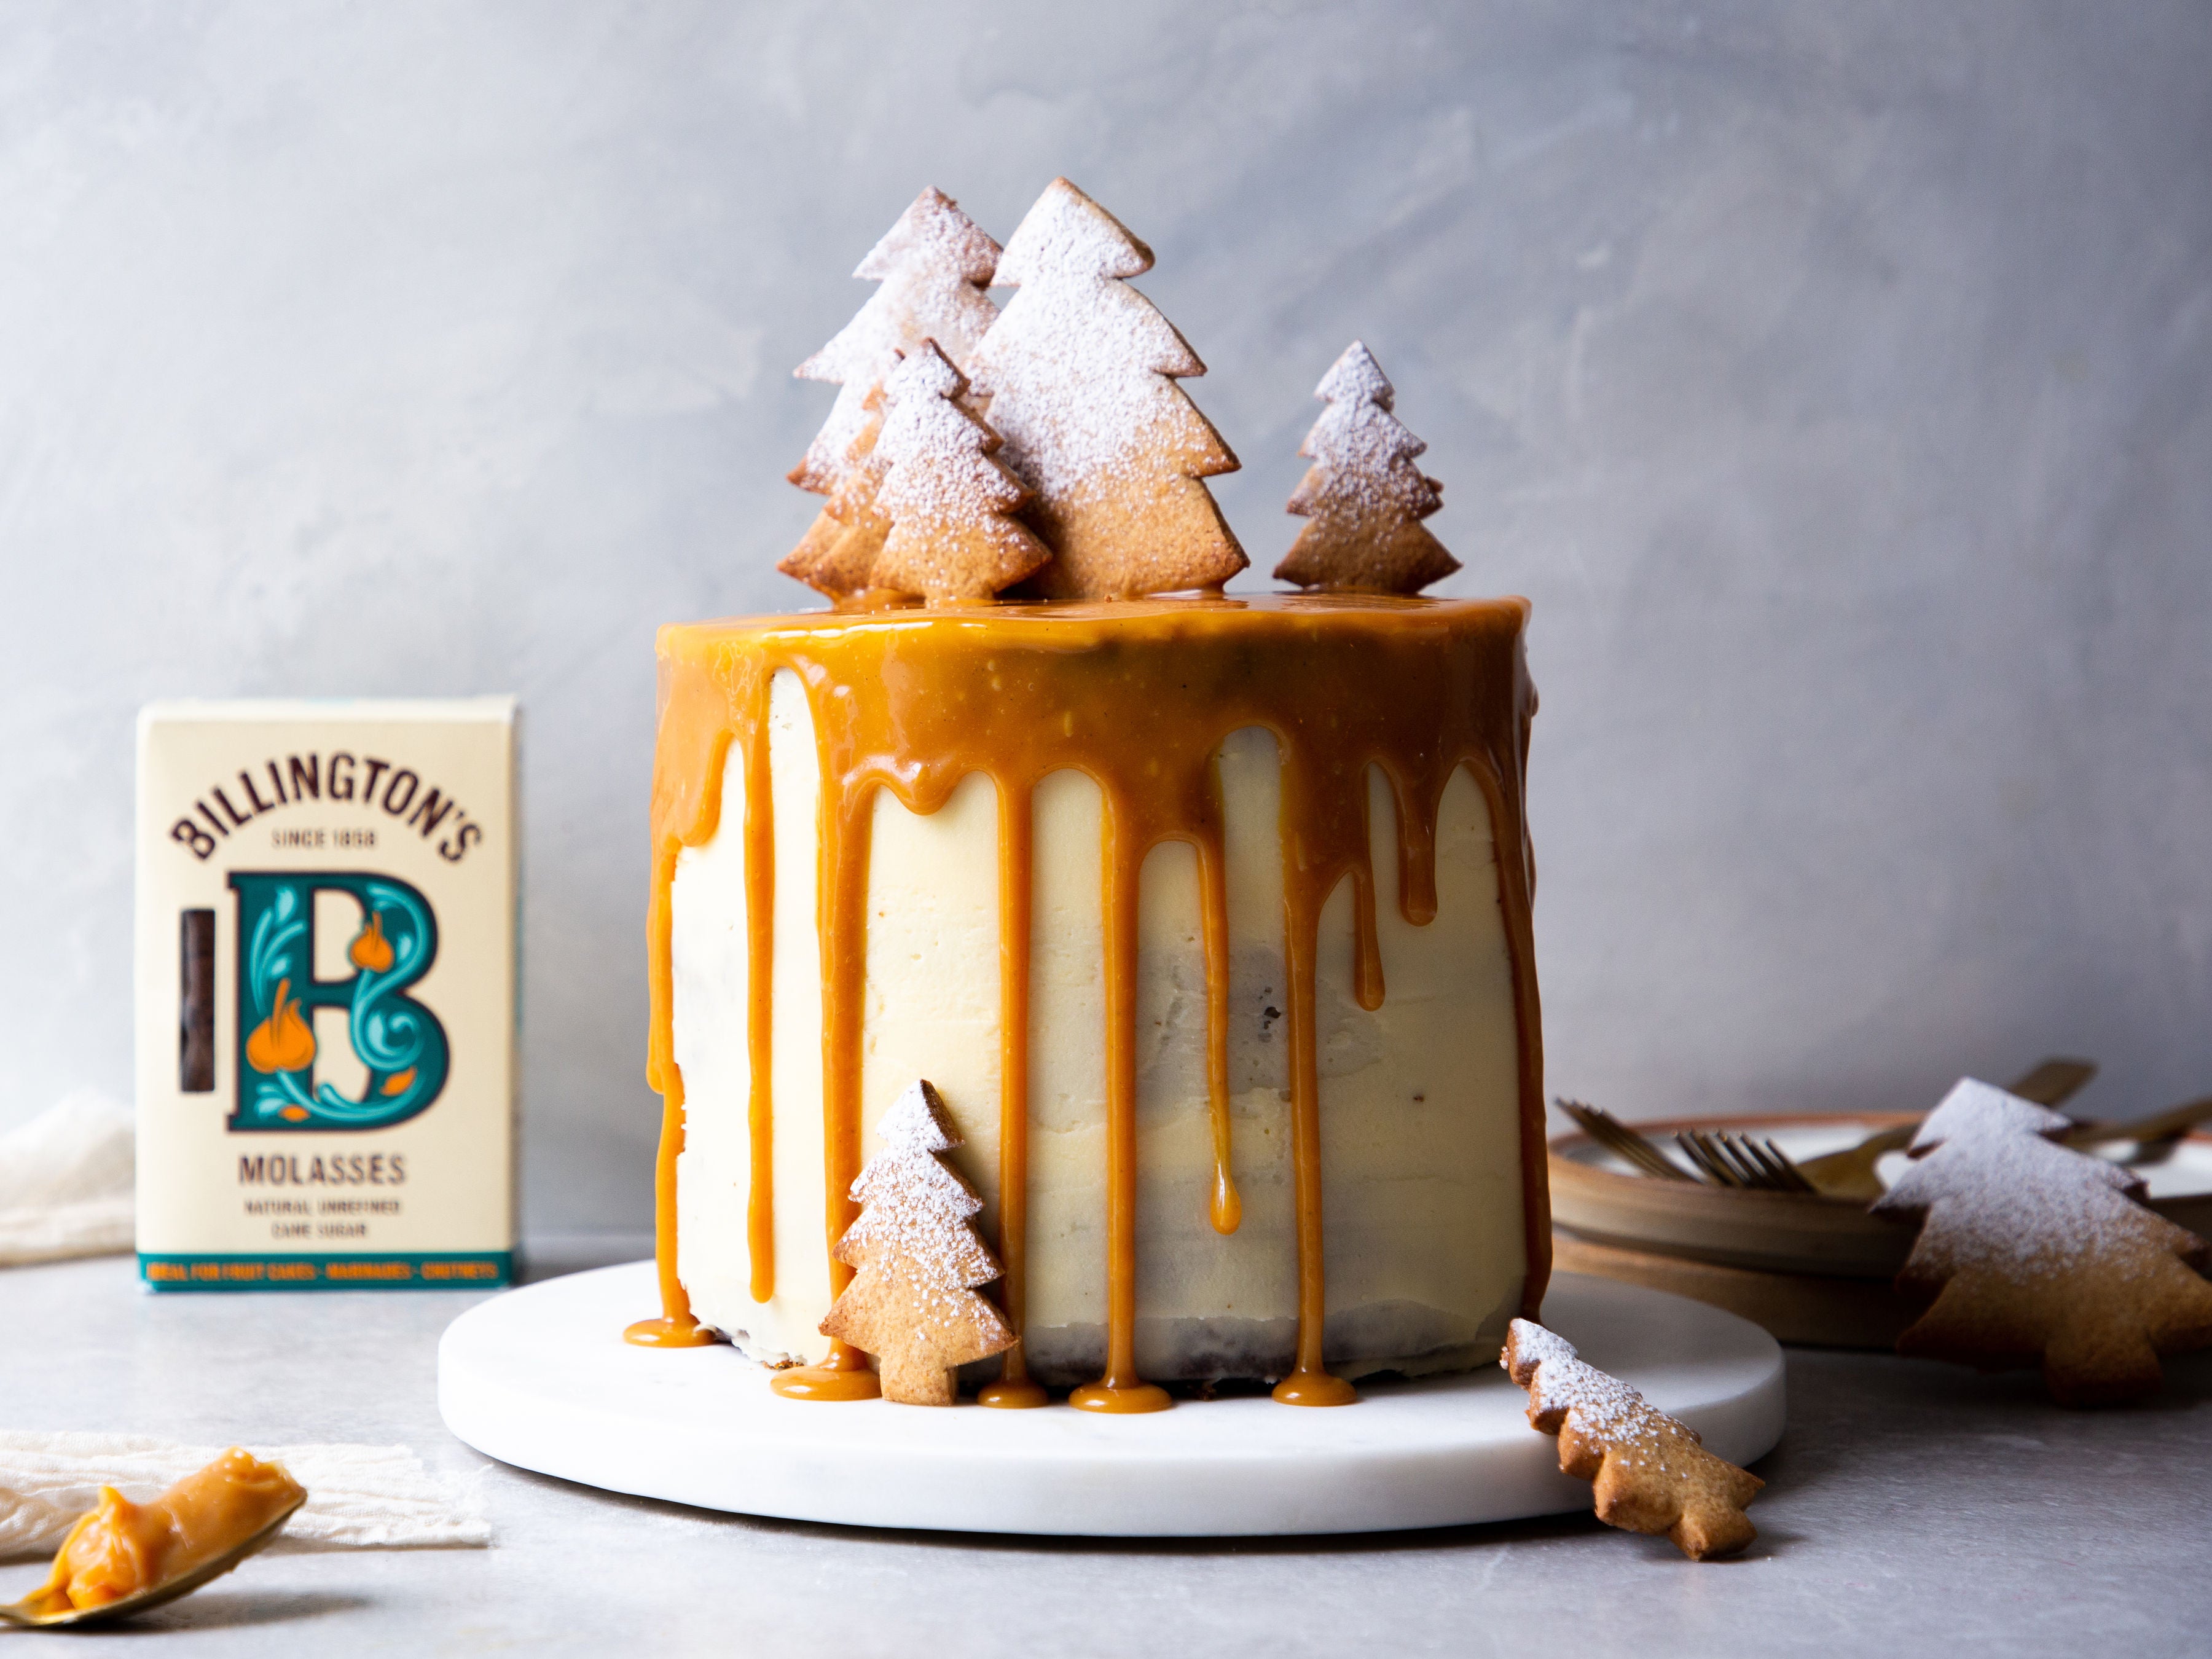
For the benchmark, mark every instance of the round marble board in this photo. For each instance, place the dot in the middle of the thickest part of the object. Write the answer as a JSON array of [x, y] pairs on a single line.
[[540, 1377]]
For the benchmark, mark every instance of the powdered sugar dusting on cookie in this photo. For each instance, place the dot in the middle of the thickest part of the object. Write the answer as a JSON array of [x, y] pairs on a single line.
[[1080, 372], [1077, 365], [950, 503], [1560, 1383], [912, 1303], [1366, 453], [920, 422], [1648, 1472], [933, 236], [933, 264], [1363, 493], [918, 1210], [1999, 1195], [914, 1206], [917, 1122], [2028, 1250], [1534, 1344]]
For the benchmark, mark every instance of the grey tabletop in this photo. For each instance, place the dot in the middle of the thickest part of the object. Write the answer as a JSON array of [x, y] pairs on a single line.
[[1911, 1508]]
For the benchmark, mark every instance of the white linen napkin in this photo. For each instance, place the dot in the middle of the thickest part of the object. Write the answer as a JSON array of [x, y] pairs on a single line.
[[66, 1182], [358, 1497]]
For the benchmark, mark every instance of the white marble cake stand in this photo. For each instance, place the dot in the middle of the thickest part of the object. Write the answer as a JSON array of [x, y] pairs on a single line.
[[541, 1378]]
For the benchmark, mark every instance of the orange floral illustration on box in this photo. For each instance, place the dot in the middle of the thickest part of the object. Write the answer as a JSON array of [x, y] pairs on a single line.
[[370, 951], [282, 1042]]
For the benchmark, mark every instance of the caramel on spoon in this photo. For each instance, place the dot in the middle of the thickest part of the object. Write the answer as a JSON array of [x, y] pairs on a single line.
[[123, 1558]]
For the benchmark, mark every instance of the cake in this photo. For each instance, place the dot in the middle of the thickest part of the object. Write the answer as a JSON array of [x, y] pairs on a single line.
[[1207, 917]]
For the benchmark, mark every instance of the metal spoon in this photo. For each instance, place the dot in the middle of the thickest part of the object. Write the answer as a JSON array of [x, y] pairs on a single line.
[[20, 1615]]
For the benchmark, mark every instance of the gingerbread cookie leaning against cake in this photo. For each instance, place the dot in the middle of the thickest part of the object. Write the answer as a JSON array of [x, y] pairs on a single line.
[[1206, 917]]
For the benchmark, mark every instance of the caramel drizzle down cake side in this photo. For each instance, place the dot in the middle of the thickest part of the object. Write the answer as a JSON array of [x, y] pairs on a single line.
[[1146, 725]]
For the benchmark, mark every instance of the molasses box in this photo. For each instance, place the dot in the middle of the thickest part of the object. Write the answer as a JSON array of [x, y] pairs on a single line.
[[326, 994]]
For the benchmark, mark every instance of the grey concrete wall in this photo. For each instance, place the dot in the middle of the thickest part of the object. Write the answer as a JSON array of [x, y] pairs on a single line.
[[1833, 378]]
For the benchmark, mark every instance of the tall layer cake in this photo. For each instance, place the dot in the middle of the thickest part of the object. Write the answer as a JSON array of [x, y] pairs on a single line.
[[1209, 920], [1165, 960]]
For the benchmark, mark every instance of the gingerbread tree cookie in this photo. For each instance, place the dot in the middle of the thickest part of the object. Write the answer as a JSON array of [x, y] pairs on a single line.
[[1363, 497], [934, 265], [837, 554], [951, 504], [2030, 1252], [1651, 1473], [913, 1303], [1081, 369]]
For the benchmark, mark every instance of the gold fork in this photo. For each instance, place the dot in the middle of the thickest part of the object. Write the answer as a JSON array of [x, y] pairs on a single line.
[[1719, 1158], [1767, 1166], [1737, 1160], [1623, 1142], [1722, 1159]]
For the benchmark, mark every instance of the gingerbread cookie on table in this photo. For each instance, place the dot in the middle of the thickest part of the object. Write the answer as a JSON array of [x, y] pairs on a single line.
[[2031, 1253], [1650, 1472]]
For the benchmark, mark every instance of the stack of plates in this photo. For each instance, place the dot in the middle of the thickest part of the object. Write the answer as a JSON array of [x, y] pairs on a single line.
[[1809, 1269]]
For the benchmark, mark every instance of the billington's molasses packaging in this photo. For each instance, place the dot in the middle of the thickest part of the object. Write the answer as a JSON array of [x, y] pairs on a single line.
[[326, 994]]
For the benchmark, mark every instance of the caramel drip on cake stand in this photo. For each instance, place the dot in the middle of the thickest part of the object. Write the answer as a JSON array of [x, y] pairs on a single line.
[[843, 908], [1226, 1209], [760, 1005], [1143, 693], [675, 1329], [1321, 845], [1014, 1390], [700, 813], [1121, 1390]]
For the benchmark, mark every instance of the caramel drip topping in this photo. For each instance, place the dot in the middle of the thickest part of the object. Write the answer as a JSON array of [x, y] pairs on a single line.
[[1014, 1390], [844, 1376], [1139, 696], [1121, 1390], [675, 1328], [760, 1022], [1227, 1210], [842, 919], [687, 789], [843, 925]]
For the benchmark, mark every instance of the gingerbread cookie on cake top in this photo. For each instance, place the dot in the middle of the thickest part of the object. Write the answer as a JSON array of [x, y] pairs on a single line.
[[1206, 917], [933, 265]]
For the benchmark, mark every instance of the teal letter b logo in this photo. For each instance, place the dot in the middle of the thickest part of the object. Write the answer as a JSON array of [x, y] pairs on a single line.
[[397, 1040]]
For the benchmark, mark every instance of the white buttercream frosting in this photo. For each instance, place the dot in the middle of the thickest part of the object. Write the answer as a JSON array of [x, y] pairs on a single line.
[[1421, 1127]]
